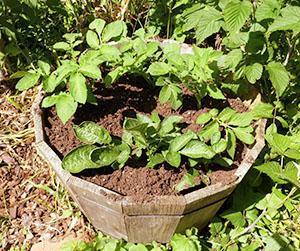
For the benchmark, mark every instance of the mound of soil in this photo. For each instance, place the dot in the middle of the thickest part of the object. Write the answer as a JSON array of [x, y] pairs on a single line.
[[125, 99]]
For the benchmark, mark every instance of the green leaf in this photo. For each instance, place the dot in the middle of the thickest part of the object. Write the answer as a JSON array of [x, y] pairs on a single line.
[[50, 83], [223, 161], [18, 74], [112, 30], [61, 46], [220, 146], [170, 93], [159, 69], [291, 173], [243, 135], [65, 107], [183, 243], [289, 20], [78, 87], [226, 114], [72, 37], [273, 170], [98, 25], [268, 9], [231, 142], [124, 155], [210, 129], [106, 155], [92, 39], [209, 22], [91, 71], [240, 119], [204, 118], [165, 94], [279, 77], [62, 73], [190, 179], [262, 110], [179, 142], [253, 72], [236, 13], [213, 112], [215, 138], [90, 57], [173, 158], [230, 60], [109, 53], [197, 149], [155, 160], [44, 67], [236, 218], [112, 76], [29, 80], [79, 159], [168, 124], [215, 92], [89, 132], [49, 101]]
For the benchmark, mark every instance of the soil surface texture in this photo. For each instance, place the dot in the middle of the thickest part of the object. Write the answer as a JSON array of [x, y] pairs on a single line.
[[125, 99]]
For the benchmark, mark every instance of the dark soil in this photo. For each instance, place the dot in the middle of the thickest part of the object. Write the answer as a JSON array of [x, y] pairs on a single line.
[[126, 100]]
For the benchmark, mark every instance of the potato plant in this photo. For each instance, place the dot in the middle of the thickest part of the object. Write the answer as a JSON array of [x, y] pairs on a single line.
[[204, 71]]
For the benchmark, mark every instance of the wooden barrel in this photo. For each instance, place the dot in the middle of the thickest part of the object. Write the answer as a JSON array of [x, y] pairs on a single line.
[[157, 220]]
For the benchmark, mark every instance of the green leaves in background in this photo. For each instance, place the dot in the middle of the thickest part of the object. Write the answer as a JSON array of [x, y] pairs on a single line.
[[112, 30], [29, 80], [92, 39], [289, 19], [279, 77], [97, 25], [170, 93], [91, 71], [180, 242], [289, 174], [236, 13], [253, 72], [159, 68], [205, 21]]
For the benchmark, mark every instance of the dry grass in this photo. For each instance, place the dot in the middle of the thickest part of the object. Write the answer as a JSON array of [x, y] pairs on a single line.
[[33, 205]]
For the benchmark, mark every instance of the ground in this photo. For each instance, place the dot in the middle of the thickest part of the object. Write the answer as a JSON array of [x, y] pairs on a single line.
[[34, 207]]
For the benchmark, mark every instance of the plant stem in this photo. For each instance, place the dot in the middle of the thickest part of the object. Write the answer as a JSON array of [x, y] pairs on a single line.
[[124, 4], [291, 49]]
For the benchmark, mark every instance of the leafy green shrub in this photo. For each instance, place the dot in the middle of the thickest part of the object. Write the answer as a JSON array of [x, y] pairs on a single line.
[[28, 29]]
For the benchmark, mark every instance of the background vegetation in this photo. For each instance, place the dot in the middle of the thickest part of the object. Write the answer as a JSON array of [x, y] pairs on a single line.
[[260, 42]]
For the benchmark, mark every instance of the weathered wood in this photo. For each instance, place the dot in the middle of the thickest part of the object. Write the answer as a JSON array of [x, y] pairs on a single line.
[[36, 113], [166, 205], [208, 195], [100, 195], [199, 218], [253, 152], [149, 228], [108, 221]]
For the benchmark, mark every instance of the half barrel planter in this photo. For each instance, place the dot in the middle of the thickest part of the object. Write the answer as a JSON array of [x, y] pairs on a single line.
[[122, 217]]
